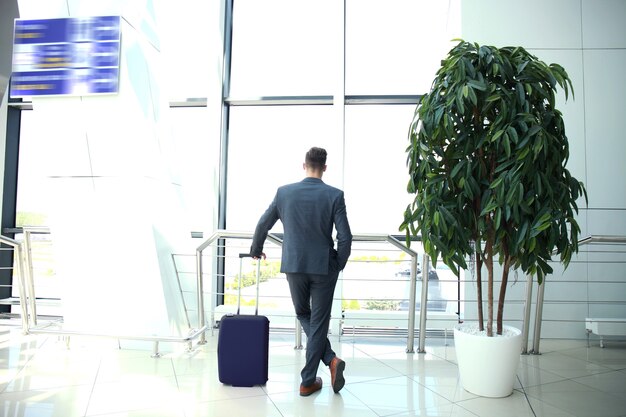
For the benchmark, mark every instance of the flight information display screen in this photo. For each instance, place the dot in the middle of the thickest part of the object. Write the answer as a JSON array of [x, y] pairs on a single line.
[[67, 56]]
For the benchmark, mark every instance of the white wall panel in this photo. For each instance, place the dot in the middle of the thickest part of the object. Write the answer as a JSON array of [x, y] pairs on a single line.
[[64, 145], [565, 291], [576, 271], [609, 292], [588, 38], [608, 221], [609, 270], [603, 22], [562, 330], [610, 310], [531, 23], [605, 89], [553, 311]]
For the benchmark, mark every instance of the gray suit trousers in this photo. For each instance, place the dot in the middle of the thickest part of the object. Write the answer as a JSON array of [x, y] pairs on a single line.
[[312, 297]]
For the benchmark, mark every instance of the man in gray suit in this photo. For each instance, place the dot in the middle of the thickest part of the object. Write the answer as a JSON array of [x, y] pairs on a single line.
[[308, 210]]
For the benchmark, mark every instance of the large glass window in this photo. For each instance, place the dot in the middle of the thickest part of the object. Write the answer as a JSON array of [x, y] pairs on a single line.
[[267, 145], [375, 168], [31, 200], [31, 211], [196, 161], [292, 50], [395, 46], [284, 47], [190, 38]]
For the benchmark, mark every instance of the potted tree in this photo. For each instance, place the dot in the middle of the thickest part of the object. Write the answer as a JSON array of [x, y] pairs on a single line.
[[486, 160]]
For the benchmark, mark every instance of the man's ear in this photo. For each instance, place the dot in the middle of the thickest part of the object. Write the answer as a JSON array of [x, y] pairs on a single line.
[[324, 169], [304, 166]]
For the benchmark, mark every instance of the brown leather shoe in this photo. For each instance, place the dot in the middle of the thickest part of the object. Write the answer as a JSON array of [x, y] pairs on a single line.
[[314, 387], [336, 374]]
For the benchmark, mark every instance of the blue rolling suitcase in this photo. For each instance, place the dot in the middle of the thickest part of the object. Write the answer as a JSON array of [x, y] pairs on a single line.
[[243, 343]]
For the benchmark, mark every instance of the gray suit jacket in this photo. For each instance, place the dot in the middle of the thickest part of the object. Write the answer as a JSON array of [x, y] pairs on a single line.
[[308, 210]]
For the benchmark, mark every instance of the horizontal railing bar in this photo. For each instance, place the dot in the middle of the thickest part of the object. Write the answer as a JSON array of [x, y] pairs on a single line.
[[314, 100], [189, 102], [32, 229], [148, 338], [383, 99], [22, 105], [281, 101], [602, 239]]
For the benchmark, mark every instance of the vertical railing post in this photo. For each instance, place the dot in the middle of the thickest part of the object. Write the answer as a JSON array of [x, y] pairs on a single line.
[[424, 303], [19, 270], [410, 348], [29, 277], [200, 296], [539, 312], [527, 308], [19, 265], [298, 345]]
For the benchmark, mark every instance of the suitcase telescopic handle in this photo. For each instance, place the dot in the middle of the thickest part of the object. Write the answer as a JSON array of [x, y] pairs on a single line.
[[258, 279]]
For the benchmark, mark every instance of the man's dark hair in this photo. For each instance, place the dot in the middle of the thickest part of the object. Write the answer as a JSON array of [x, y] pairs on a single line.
[[316, 158]]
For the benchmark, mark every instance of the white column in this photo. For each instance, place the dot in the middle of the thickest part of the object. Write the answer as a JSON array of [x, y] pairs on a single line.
[[115, 212]]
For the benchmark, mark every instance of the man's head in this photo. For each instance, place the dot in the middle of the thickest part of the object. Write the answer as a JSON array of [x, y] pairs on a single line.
[[315, 161]]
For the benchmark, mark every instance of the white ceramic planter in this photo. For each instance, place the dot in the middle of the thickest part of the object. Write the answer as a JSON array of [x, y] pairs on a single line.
[[488, 365]]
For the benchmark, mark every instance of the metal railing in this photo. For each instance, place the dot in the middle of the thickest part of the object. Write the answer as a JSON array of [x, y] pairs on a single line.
[[25, 279], [526, 319], [219, 234], [224, 234], [26, 285], [541, 294], [410, 348], [25, 272], [29, 277], [20, 270]]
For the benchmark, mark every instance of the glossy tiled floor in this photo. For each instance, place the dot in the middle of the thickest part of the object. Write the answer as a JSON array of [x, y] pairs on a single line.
[[40, 377]]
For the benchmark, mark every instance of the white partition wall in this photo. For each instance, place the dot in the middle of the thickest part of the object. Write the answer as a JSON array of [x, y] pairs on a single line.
[[114, 200], [588, 38]]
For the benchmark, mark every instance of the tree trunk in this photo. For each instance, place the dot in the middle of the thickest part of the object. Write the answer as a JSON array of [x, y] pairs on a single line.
[[503, 285]]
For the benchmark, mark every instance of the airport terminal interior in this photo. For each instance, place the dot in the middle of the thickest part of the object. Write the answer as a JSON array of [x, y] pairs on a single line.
[[141, 140]]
